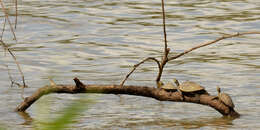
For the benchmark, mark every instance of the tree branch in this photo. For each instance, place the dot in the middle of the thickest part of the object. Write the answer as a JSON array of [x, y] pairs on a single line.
[[3, 30], [16, 13], [144, 91], [17, 63], [211, 42], [166, 49], [8, 20], [164, 30], [136, 65]]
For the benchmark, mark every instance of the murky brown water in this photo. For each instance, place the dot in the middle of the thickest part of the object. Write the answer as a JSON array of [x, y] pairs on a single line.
[[98, 40]]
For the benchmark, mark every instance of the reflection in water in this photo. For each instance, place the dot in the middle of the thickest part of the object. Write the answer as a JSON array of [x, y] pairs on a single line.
[[186, 123], [99, 40], [27, 118]]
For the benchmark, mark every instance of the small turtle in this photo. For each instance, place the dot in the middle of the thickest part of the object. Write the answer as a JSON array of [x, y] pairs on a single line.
[[169, 87], [192, 88], [225, 98]]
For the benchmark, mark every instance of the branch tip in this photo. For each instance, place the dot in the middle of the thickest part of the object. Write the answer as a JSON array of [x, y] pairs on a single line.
[[52, 82], [79, 84]]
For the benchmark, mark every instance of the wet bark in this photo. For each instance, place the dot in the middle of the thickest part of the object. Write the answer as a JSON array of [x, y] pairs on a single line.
[[144, 91]]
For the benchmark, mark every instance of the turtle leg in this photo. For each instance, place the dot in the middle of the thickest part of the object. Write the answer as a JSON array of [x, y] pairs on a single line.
[[214, 97], [182, 96], [197, 96]]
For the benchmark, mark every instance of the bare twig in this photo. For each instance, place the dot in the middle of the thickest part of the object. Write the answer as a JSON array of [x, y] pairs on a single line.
[[164, 30], [14, 82], [6, 47], [16, 62], [166, 49], [211, 42], [16, 14], [10, 76], [163, 63], [18, 66], [136, 65], [6, 16], [3, 29], [164, 57]]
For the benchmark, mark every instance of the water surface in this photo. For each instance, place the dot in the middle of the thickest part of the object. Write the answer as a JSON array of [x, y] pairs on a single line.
[[99, 40]]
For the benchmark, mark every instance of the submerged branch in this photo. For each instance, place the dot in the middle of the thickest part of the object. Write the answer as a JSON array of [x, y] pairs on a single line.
[[156, 93]]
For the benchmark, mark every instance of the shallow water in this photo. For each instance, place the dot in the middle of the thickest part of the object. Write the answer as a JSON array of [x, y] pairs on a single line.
[[99, 41]]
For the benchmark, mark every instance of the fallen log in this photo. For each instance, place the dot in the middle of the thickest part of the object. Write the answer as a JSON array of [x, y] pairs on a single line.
[[145, 91]]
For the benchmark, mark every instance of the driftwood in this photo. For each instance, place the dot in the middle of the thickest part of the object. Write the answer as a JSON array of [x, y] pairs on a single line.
[[144, 91]]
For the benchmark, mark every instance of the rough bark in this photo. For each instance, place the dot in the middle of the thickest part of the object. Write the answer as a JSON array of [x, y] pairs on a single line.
[[144, 91]]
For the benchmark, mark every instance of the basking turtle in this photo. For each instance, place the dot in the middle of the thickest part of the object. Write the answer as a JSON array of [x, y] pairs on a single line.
[[192, 87], [169, 87], [225, 98]]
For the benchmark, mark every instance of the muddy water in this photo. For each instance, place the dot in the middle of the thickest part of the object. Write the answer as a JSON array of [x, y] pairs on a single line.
[[99, 40]]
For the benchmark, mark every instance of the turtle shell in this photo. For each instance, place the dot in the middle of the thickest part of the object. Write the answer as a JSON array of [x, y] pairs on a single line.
[[226, 99], [190, 86], [169, 86]]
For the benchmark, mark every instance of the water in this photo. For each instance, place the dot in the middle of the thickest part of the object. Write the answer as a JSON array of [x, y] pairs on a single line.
[[99, 41]]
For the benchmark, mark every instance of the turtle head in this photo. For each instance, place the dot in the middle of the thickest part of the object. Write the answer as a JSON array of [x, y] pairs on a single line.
[[218, 89], [176, 81], [160, 84]]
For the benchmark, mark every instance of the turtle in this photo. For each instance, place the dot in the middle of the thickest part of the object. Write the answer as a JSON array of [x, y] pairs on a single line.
[[169, 87], [225, 98], [191, 87]]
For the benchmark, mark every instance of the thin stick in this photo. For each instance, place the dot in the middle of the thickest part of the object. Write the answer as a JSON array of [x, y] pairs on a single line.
[[136, 65], [3, 29], [18, 66], [13, 82], [6, 16], [15, 60], [16, 14], [164, 57], [10, 77], [163, 63], [211, 42], [166, 49], [164, 30]]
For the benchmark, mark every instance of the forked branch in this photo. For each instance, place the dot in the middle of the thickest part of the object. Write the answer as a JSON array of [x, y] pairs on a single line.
[[6, 47], [164, 60], [7, 18]]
